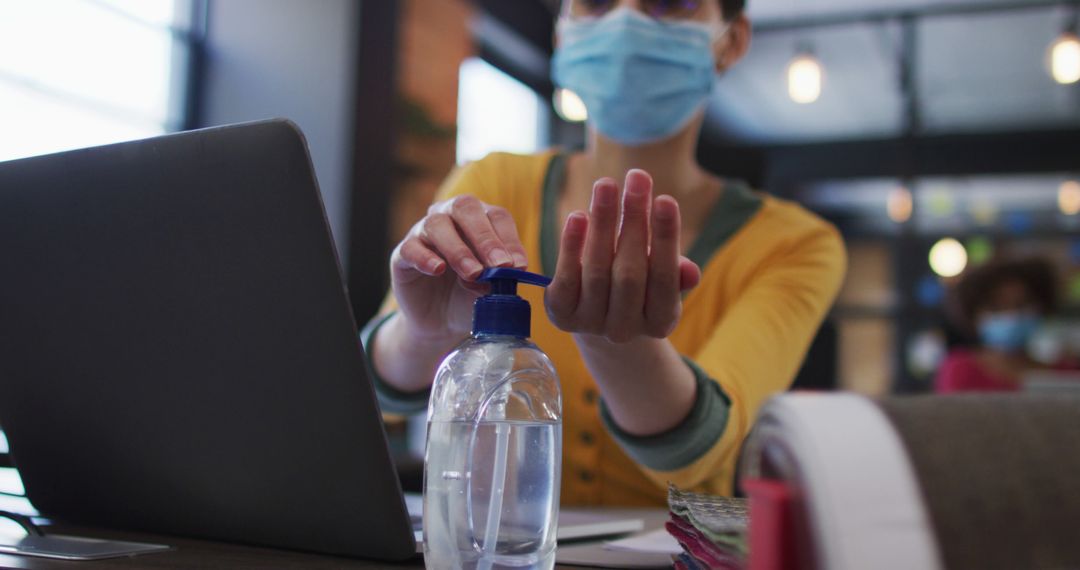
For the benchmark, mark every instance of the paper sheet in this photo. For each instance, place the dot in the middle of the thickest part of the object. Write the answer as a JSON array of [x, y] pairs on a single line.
[[655, 542]]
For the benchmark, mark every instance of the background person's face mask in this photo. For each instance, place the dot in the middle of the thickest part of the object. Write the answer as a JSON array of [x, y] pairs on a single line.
[[642, 80], [1008, 331]]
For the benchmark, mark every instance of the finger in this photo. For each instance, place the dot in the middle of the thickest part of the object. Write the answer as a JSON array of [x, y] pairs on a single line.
[[475, 287], [440, 234], [473, 222], [599, 251], [506, 230], [561, 297], [414, 257], [663, 303], [634, 221], [630, 269], [689, 274]]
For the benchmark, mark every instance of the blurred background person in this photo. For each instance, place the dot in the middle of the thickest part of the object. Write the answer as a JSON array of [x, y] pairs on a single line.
[[1000, 306]]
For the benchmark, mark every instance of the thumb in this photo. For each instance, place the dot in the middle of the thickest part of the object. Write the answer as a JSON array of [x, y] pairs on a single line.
[[689, 274]]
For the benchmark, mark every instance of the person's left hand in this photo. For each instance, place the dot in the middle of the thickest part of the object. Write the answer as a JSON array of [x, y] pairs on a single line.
[[620, 273]]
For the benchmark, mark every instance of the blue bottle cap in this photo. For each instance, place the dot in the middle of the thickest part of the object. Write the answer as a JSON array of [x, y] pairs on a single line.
[[503, 312]]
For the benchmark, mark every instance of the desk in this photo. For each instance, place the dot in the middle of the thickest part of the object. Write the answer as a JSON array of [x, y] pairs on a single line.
[[195, 553]]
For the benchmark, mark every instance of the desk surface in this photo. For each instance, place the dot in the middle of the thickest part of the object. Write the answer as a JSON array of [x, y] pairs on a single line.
[[191, 553]]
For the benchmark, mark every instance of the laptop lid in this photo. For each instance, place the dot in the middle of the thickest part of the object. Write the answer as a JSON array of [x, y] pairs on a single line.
[[177, 351]]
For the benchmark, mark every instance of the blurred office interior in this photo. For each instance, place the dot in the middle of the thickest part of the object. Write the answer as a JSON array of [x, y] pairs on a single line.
[[935, 134]]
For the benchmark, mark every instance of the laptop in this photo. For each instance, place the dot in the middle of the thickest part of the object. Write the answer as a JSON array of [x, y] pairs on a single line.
[[177, 350]]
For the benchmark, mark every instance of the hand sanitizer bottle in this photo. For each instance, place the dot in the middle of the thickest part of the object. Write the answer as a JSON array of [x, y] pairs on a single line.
[[494, 445]]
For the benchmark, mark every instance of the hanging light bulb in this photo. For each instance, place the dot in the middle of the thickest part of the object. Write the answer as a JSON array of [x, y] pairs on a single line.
[[948, 257], [1069, 198], [1064, 53], [569, 106], [899, 204], [805, 78], [1065, 58]]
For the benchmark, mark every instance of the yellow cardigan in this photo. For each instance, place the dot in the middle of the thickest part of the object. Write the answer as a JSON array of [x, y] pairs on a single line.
[[770, 272]]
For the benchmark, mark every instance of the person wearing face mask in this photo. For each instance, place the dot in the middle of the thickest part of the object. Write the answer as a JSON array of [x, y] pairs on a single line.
[[681, 300], [999, 305]]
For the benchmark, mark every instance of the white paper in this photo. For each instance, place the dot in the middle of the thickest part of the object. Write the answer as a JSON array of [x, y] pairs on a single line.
[[655, 542]]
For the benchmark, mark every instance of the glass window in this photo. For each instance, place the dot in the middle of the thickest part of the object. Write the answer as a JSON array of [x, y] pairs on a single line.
[[496, 113], [76, 73]]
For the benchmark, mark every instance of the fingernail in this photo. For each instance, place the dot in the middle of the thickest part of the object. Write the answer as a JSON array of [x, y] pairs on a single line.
[[435, 265], [471, 267], [520, 260], [500, 257], [638, 190], [575, 223], [665, 209], [604, 194]]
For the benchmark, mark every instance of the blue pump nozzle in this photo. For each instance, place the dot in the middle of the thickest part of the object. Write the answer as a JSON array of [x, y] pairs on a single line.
[[504, 280], [503, 312]]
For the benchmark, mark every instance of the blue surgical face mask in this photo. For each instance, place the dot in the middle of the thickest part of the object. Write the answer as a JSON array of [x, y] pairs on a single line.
[[1008, 331], [642, 79]]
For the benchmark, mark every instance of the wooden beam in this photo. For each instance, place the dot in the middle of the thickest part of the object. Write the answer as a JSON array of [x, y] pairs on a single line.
[[374, 128]]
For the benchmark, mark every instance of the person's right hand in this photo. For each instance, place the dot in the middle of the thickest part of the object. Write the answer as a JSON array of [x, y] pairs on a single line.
[[433, 270]]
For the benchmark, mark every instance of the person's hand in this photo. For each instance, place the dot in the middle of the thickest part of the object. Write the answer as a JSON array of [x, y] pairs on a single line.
[[433, 270], [620, 273]]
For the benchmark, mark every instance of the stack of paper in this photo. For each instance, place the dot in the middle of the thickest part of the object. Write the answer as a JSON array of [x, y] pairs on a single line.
[[710, 529]]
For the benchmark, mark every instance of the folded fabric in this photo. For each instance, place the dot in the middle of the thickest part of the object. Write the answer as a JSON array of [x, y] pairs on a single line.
[[710, 529], [713, 514], [724, 520], [698, 546], [686, 562]]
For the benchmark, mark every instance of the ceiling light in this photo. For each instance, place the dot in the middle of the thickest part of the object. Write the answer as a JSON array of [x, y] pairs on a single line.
[[899, 204], [569, 106], [1069, 197], [941, 202], [805, 78], [948, 258], [1065, 59], [979, 249], [984, 211]]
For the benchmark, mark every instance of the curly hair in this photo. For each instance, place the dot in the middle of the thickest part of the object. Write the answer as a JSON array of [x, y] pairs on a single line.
[[976, 287]]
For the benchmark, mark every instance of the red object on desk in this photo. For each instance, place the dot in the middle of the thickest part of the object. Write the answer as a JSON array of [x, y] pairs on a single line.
[[773, 545]]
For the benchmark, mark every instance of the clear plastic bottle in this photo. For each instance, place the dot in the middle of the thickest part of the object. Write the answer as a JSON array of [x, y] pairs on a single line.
[[494, 444]]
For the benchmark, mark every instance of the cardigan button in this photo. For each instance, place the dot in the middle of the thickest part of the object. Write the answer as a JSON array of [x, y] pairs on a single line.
[[590, 396]]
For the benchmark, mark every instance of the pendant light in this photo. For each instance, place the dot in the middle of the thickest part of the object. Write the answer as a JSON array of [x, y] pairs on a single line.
[[899, 204], [1064, 54], [948, 257], [569, 106], [1069, 198], [805, 77]]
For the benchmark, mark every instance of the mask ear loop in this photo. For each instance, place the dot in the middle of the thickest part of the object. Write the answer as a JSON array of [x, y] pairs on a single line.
[[718, 33], [721, 30]]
